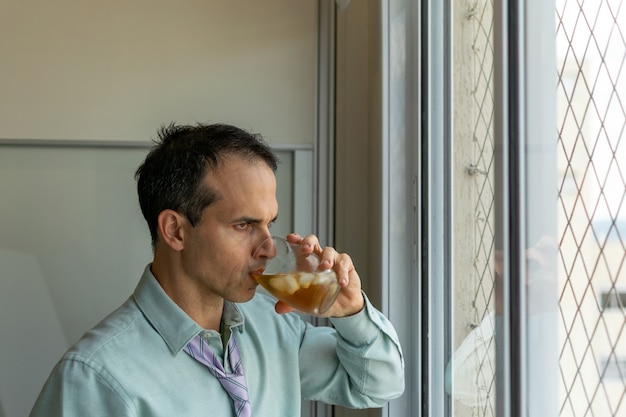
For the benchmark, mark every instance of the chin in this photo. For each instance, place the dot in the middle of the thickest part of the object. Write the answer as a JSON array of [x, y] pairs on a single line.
[[247, 296]]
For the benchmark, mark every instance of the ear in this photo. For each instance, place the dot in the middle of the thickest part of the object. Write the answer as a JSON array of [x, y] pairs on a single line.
[[171, 228]]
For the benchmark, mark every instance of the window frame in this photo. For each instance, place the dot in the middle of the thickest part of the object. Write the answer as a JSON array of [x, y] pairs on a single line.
[[524, 118]]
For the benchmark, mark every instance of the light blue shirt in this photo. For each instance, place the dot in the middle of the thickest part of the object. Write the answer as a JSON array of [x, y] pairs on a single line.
[[133, 363]]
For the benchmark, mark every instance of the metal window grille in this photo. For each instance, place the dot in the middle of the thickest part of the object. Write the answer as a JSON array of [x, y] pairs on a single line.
[[591, 95], [591, 149], [474, 386]]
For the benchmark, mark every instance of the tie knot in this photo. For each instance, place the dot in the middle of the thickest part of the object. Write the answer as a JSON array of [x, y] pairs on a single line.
[[233, 382]]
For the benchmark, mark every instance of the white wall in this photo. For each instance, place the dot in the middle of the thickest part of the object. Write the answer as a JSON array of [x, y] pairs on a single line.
[[116, 71]]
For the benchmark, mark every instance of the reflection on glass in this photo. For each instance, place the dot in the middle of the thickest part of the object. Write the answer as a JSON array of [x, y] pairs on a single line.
[[575, 280]]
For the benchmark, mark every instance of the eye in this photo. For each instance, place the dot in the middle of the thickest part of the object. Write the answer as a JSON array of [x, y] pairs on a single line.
[[243, 226]]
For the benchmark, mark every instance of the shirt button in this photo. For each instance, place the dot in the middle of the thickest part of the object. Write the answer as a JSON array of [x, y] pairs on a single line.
[[209, 335]]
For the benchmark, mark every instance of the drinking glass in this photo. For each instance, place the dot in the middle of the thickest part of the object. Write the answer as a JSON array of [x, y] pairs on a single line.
[[295, 278]]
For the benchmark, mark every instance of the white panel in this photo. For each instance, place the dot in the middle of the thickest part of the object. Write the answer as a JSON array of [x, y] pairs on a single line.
[[303, 192], [32, 337], [74, 245], [284, 194], [76, 212]]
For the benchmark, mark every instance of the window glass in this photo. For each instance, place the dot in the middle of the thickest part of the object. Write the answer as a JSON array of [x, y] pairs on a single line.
[[591, 151], [470, 375]]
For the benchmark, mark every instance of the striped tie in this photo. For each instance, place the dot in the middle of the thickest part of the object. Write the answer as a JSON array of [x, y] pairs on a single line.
[[233, 382]]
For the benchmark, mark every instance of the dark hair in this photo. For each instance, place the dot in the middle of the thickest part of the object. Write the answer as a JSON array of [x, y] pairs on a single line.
[[171, 175]]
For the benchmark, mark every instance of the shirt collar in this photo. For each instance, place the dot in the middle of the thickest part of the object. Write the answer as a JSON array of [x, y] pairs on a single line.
[[233, 317], [170, 321]]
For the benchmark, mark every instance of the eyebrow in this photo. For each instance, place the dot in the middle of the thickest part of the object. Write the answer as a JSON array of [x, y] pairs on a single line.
[[252, 220]]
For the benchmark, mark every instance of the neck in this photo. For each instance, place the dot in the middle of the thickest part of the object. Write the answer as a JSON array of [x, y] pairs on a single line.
[[204, 310]]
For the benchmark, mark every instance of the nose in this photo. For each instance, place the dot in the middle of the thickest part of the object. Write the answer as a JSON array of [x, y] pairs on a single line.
[[267, 249]]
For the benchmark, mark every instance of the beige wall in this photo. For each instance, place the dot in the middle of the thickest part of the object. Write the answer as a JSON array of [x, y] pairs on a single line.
[[117, 70], [358, 136], [358, 149]]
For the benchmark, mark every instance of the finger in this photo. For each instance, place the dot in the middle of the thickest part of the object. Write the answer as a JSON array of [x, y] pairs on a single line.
[[294, 238], [310, 244], [282, 308], [328, 258], [343, 266]]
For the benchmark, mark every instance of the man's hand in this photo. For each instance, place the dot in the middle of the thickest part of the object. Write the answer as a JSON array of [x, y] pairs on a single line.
[[350, 300]]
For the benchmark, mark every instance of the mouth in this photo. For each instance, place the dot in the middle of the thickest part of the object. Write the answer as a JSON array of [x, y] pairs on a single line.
[[252, 284], [256, 272]]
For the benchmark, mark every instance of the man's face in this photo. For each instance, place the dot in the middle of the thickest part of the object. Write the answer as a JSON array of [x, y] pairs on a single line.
[[218, 254]]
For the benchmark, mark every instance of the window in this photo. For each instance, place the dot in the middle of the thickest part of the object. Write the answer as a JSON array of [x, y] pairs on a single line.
[[521, 212], [591, 95]]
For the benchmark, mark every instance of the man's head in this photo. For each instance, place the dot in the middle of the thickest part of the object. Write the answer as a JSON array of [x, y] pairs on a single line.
[[171, 177]]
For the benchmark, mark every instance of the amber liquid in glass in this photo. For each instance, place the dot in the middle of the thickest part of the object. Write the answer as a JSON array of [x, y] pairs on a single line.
[[307, 292]]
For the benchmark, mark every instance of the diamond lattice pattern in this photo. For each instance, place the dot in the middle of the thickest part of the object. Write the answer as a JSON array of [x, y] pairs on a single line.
[[591, 99], [481, 15]]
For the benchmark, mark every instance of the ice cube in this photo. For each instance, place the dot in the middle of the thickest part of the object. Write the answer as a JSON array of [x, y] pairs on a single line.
[[285, 283], [306, 278], [324, 278]]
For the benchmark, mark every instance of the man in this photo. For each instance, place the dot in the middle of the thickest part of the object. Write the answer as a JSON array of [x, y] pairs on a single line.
[[194, 331]]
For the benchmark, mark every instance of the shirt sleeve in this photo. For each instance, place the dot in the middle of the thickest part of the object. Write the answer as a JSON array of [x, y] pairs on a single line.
[[77, 388], [358, 364]]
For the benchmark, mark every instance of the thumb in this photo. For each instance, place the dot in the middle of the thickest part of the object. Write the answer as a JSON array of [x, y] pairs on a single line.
[[282, 308]]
